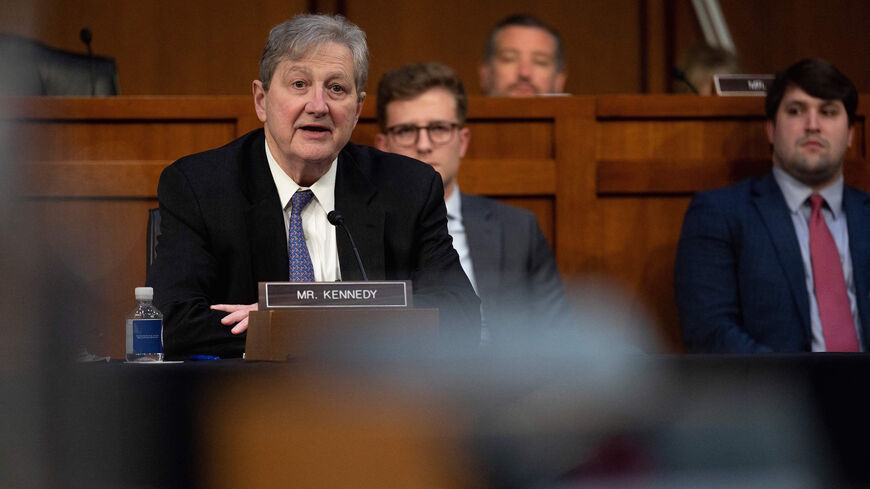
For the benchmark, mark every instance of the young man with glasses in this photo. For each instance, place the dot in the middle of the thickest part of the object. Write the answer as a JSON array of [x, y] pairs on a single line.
[[421, 111]]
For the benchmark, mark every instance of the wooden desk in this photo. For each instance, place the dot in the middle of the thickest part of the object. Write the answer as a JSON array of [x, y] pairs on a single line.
[[609, 177]]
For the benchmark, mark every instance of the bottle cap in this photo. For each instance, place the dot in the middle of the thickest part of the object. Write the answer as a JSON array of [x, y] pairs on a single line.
[[144, 293]]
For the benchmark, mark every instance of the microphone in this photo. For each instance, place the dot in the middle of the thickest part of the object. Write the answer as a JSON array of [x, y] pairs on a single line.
[[336, 219], [680, 75], [86, 37]]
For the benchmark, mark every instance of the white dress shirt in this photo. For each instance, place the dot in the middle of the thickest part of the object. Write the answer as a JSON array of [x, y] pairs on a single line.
[[319, 233], [456, 229]]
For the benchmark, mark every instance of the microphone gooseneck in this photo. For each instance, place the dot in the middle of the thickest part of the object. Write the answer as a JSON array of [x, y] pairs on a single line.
[[336, 219], [86, 37]]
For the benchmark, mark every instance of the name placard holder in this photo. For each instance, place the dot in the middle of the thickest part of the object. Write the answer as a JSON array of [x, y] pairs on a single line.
[[742, 85], [296, 295], [295, 319]]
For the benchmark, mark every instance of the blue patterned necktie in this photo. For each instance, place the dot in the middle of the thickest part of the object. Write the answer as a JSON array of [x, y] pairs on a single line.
[[301, 269]]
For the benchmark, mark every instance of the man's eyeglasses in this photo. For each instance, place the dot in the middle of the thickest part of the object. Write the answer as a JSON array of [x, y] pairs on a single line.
[[409, 134]]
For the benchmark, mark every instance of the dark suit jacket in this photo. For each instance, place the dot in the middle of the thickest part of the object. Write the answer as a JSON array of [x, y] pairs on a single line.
[[739, 277], [517, 279], [222, 232]]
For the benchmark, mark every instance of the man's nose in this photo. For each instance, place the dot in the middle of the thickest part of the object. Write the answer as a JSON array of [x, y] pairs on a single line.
[[424, 144], [524, 70], [317, 103], [812, 121]]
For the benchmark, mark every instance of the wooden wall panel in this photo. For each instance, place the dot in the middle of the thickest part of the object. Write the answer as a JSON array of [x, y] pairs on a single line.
[[212, 47], [162, 47], [608, 177], [601, 37], [91, 170], [771, 35], [511, 156]]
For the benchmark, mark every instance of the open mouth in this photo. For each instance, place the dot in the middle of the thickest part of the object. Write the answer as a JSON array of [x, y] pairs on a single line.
[[315, 129]]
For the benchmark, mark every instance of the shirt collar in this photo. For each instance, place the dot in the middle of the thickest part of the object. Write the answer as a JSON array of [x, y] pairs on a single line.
[[796, 193], [323, 188], [454, 205]]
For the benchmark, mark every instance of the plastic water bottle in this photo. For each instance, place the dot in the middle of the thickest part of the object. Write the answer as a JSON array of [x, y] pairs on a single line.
[[145, 329]]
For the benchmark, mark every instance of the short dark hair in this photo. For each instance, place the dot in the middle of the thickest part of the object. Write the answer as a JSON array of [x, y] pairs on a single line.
[[818, 78], [409, 81], [525, 20]]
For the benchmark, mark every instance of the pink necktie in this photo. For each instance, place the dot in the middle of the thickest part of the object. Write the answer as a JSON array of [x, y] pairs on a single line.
[[838, 325]]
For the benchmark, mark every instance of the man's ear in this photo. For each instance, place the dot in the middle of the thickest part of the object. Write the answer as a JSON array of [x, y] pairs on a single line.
[[485, 72], [559, 83], [259, 99], [464, 139], [769, 128], [381, 142], [359, 106]]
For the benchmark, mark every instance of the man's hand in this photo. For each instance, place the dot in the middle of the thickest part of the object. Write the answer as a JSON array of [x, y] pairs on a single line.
[[238, 315]]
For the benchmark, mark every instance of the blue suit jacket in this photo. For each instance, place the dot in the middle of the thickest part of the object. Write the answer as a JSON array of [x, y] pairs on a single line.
[[739, 277]]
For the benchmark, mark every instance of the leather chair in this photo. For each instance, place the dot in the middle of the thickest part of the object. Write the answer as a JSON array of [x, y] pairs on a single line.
[[29, 68]]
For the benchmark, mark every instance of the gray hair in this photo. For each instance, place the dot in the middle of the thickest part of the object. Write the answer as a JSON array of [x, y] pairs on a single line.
[[295, 38]]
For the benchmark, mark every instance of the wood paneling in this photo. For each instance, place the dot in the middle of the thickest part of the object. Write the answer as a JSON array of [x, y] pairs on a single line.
[[601, 37], [608, 177], [90, 170], [161, 47], [212, 47], [772, 34]]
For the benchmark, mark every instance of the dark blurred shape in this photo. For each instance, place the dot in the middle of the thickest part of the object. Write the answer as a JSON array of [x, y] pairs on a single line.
[[680, 75], [86, 36], [151, 237], [698, 65], [29, 67]]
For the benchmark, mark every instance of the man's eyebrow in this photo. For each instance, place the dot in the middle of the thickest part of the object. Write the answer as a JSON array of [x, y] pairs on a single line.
[[338, 74], [293, 69]]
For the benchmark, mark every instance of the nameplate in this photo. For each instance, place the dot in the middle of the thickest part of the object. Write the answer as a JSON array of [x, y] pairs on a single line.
[[285, 295], [742, 85]]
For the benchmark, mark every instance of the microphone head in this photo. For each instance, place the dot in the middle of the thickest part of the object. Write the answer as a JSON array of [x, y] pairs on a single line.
[[335, 218], [85, 35]]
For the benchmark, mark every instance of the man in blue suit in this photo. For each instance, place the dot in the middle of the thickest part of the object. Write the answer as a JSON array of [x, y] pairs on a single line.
[[781, 263]]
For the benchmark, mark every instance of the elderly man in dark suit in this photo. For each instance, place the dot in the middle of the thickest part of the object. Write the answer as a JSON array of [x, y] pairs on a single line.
[[782, 263], [255, 210], [421, 111]]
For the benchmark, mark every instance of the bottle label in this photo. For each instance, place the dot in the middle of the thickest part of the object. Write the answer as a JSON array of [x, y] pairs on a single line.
[[147, 336]]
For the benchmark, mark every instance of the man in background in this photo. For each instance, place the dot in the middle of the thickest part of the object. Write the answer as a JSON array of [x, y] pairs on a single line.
[[523, 58], [421, 111], [700, 64], [781, 263]]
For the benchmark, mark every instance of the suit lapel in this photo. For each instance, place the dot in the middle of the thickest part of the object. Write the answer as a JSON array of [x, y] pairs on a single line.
[[857, 208], [770, 204], [264, 218], [484, 243], [354, 198]]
